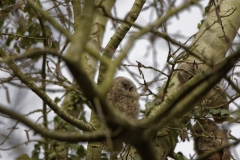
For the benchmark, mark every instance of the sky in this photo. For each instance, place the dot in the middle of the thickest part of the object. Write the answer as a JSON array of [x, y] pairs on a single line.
[[185, 25]]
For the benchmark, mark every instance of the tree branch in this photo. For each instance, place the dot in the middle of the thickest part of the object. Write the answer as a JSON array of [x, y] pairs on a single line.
[[63, 136], [118, 36], [28, 82], [50, 20], [185, 98]]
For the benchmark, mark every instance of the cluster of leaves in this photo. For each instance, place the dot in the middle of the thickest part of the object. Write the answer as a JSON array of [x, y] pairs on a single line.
[[22, 24]]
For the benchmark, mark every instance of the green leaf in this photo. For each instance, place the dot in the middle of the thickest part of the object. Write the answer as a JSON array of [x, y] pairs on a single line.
[[199, 25], [206, 10], [52, 155], [57, 99], [171, 84], [83, 116], [215, 111], [36, 151], [57, 119], [136, 156], [104, 156], [60, 147], [237, 113], [24, 157], [17, 48], [179, 156], [230, 120], [147, 104], [73, 157], [74, 145], [9, 40], [81, 151], [224, 112]]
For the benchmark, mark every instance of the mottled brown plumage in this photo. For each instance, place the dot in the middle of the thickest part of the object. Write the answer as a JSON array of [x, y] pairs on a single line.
[[124, 97], [215, 98], [207, 137]]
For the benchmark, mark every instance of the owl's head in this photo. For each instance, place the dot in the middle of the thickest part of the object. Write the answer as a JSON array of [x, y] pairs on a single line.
[[125, 84]]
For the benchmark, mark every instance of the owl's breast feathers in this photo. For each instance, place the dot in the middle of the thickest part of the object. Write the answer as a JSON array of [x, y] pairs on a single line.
[[123, 95]]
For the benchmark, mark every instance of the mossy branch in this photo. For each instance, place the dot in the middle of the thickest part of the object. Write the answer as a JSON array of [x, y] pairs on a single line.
[[60, 136], [28, 82]]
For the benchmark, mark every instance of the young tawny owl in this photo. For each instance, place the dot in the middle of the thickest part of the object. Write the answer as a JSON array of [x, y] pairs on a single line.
[[207, 137], [216, 98], [124, 97]]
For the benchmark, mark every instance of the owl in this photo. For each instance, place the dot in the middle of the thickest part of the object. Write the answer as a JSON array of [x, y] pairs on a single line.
[[207, 137], [215, 98], [124, 97]]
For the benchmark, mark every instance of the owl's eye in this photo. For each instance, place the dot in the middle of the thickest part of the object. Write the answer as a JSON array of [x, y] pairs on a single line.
[[127, 86]]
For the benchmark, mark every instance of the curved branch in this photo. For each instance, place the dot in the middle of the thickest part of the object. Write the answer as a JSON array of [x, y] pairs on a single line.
[[203, 156], [118, 36], [143, 31], [31, 53], [217, 31], [67, 136], [181, 102], [74, 55], [28, 82]]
